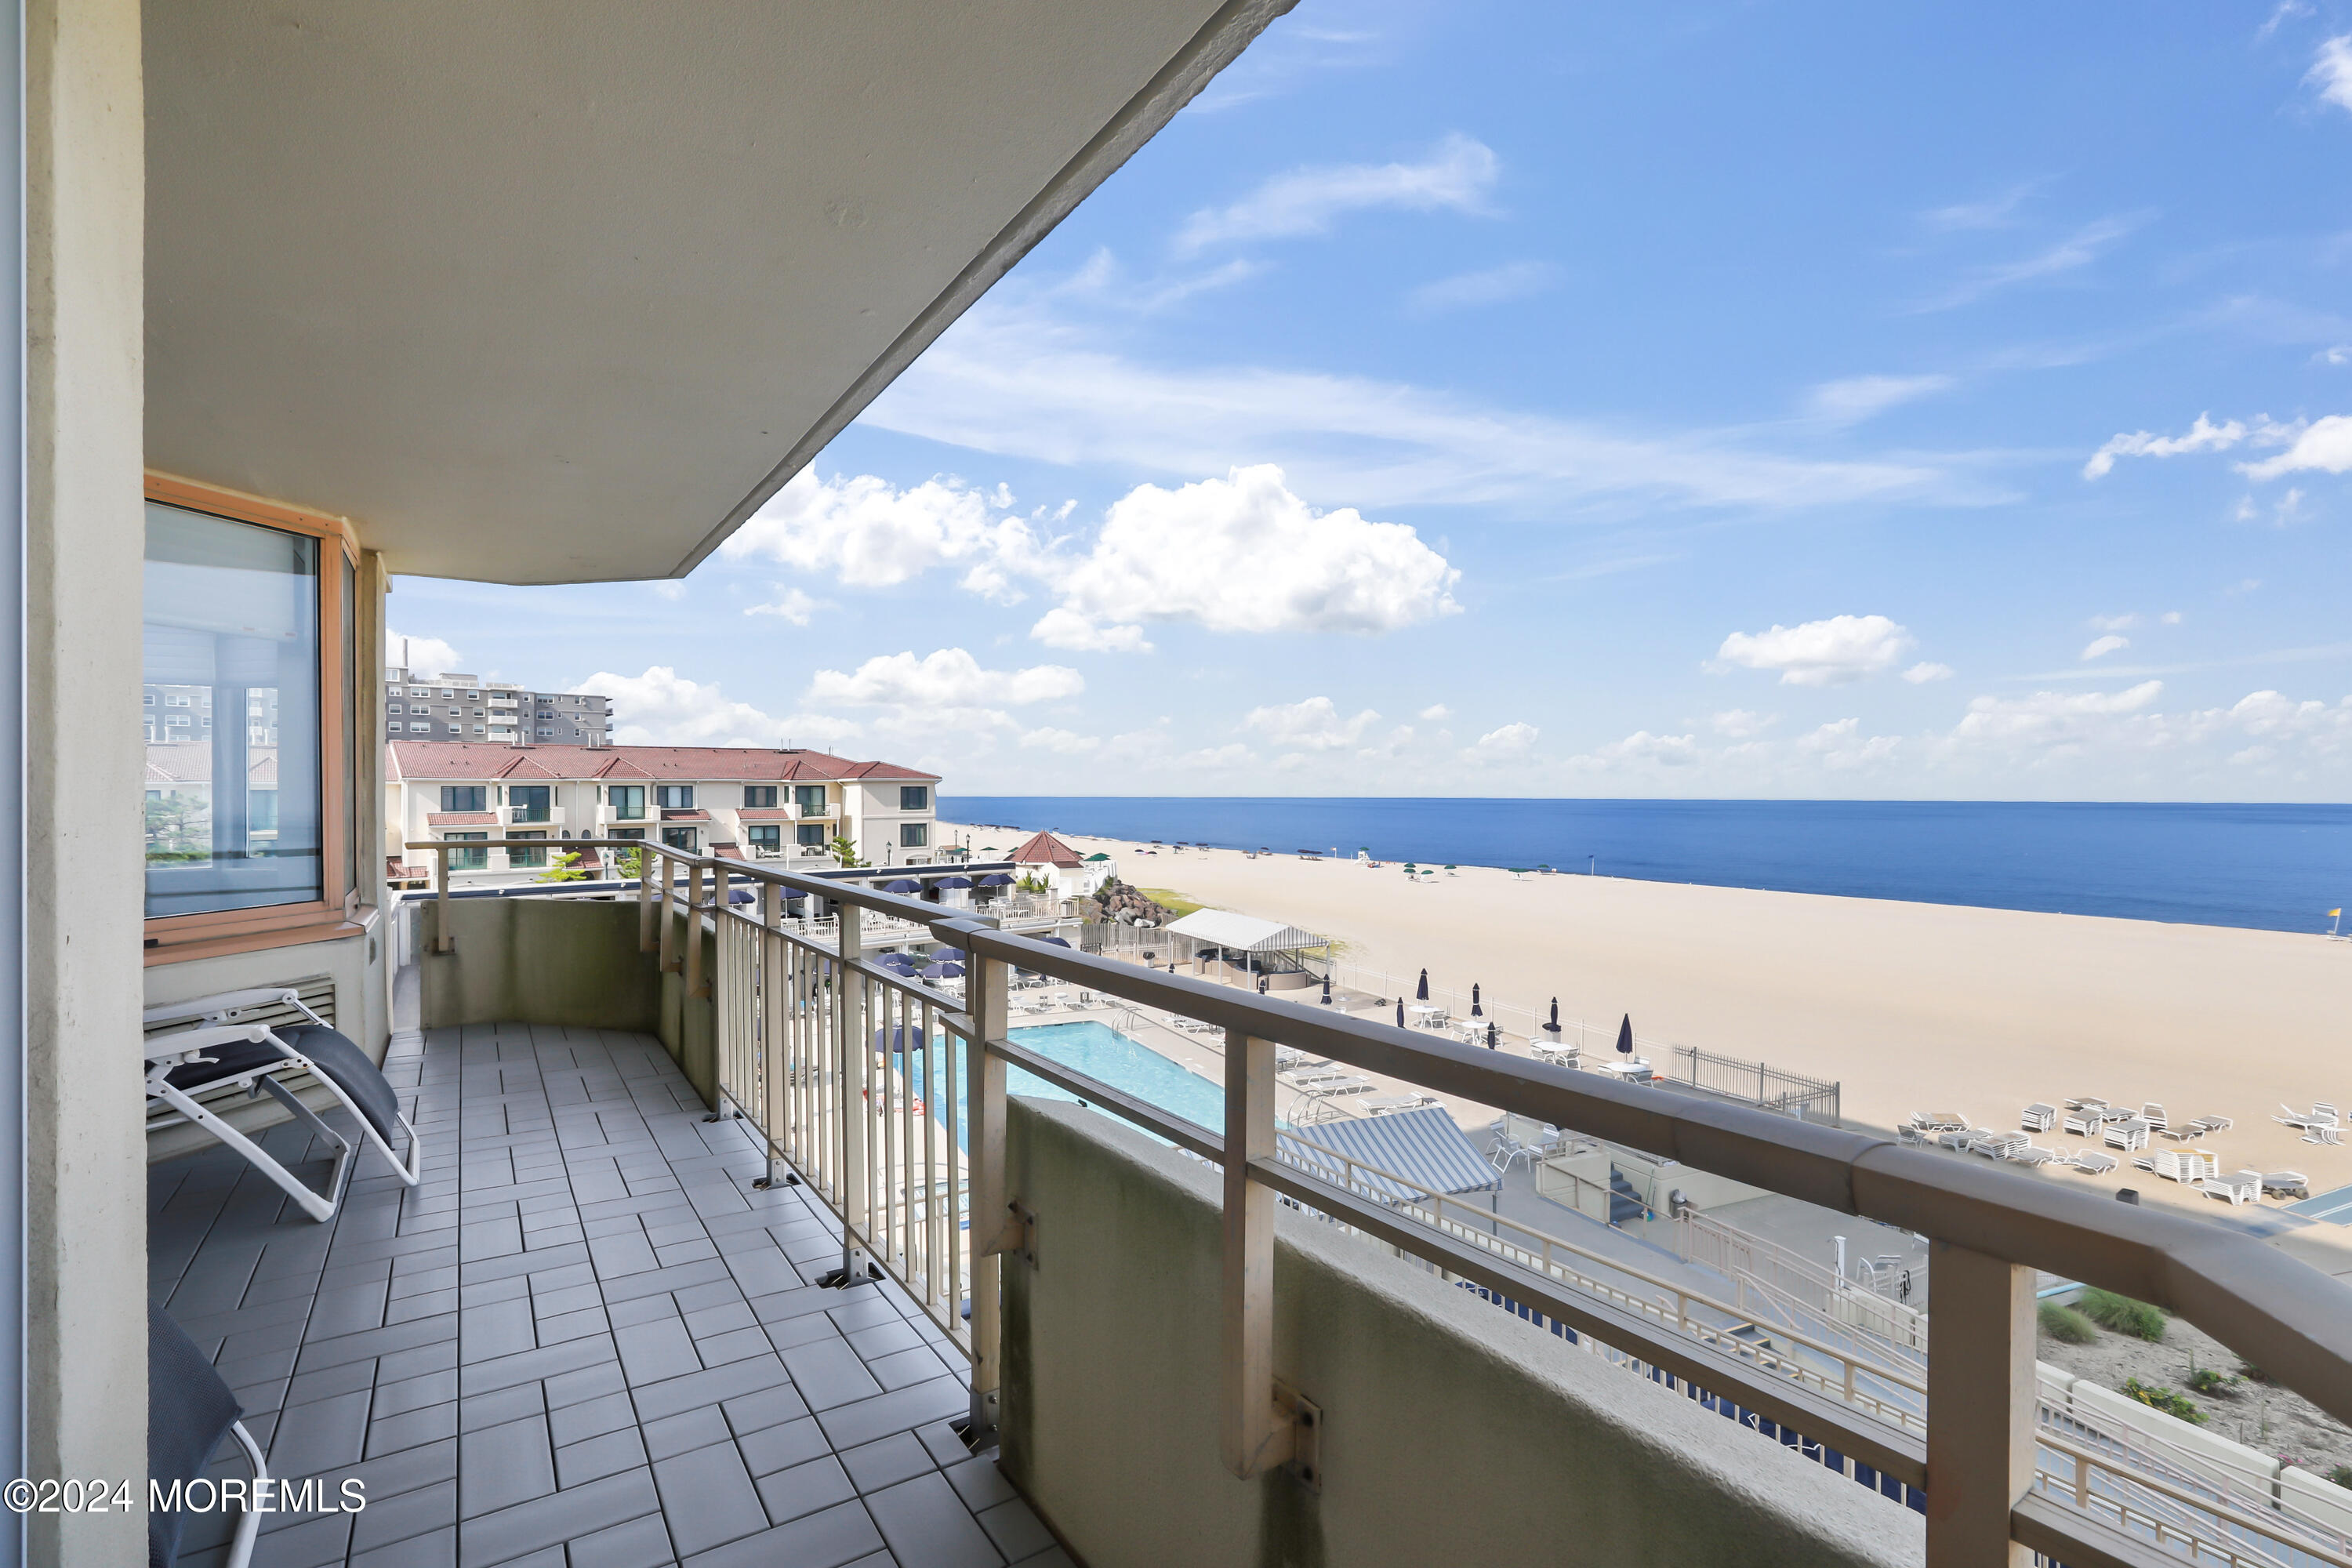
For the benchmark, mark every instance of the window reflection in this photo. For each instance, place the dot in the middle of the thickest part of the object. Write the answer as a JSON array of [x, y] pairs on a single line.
[[231, 714]]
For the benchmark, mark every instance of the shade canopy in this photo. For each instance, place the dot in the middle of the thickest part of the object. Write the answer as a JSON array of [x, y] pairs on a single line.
[[952, 882], [996, 879], [1422, 1146], [1246, 933], [943, 971], [563, 291], [903, 885], [1097, 855]]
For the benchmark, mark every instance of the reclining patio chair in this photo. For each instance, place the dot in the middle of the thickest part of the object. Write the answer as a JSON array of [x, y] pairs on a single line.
[[252, 1057], [189, 1410]]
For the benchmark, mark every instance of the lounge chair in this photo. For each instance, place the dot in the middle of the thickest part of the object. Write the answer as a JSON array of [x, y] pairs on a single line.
[[221, 1051], [2084, 1122], [2038, 1118], [2090, 1162], [1385, 1104], [2286, 1185], [189, 1410], [2326, 1132], [2128, 1133], [2153, 1114]]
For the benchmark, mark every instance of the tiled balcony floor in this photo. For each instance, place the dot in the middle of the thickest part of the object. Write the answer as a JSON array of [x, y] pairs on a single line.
[[586, 1340]]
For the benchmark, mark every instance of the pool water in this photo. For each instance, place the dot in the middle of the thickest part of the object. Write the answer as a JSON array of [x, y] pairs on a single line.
[[1101, 1052]]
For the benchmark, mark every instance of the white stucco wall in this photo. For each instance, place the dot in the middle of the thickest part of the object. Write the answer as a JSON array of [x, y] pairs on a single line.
[[1453, 1432]]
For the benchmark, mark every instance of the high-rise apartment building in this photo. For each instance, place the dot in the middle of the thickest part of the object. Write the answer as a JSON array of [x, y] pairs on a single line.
[[453, 706]]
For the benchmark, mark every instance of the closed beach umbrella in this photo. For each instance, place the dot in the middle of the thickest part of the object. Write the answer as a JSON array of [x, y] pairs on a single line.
[[1494, 1037], [1475, 1011], [1400, 1012], [1327, 991], [1626, 1036], [1552, 1028], [1422, 994]]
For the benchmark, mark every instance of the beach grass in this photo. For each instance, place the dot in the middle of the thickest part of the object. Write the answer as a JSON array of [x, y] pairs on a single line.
[[2123, 1314], [2067, 1326], [1174, 902]]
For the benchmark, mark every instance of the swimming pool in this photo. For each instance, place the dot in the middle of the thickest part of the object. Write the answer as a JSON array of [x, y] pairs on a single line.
[[1101, 1052]]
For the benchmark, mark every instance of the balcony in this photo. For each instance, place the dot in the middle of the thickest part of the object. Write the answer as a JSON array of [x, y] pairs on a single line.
[[531, 816], [596, 1326]]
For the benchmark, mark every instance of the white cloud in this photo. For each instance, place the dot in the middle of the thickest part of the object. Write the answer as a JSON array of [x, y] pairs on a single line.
[[421, 654], [2049, 719], [1311, 725], [1927, 671], [873, 535], [670, 588], [1063, 742], [792, 605], [663, 708], [2285, 12], [1436, 713], [2072, 254], [1740, 724], [1245, 554], [2171, 617], [1857, 397], [1643, 748], [1994, 212], [1018, 375], [947, 679], [1457, 174], [1233, 755], [2102, 647], [1488, 286], [2204, 436], [2332, 71], [1820, 653], [1840, 744], [2123, 623], [1507, 744], [1066, 628], [2325, 445]]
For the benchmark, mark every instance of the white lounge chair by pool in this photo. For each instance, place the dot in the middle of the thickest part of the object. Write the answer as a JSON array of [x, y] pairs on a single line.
[[2038, 1118], [2090, 1162]]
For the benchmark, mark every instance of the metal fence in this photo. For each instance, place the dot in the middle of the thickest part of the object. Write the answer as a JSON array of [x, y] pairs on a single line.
[[887, 1097], [1767, 1088]]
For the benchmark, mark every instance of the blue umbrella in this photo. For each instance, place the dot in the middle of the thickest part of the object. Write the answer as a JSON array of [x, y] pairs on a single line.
[[741, 896], [1400, 1012], [898, 961], [1054, 940], [903, 885], [996, 879], [1421, 995], [952, 882], [1327, 990], [1493, 1037], [1475, 1011], [947, 969], [1625, 1036], [897, 1039]]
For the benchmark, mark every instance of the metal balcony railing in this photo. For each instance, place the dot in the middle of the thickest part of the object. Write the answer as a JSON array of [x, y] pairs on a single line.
[[887, 1095]]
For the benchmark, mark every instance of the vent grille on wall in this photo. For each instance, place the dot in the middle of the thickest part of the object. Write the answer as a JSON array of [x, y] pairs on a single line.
[[318, 994]]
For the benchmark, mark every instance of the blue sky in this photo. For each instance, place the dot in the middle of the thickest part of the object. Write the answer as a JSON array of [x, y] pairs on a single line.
[[1761, 400]]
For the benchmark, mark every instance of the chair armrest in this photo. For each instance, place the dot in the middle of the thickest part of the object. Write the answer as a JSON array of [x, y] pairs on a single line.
[[183, 1042]]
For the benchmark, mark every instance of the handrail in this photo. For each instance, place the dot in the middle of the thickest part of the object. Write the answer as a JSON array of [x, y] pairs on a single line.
[[2287, 1317], [1990, 1227]]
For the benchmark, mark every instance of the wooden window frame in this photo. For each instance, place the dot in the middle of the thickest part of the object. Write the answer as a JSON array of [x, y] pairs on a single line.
[[171, 939]]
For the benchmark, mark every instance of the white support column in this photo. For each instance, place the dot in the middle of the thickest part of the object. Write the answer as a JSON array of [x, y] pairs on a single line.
[[856, 1056], [1254, 1438], [987, 982], [1981, 1407]]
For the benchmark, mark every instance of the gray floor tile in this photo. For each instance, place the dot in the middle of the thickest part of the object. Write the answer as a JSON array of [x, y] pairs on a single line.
[[708, 1498], [1016, 1530], [640, 1543], [755, 1412], [591, 1418], [500, 1466], [594, 1459], [827, 1540], [435, 1549], [556, 1517], [422, 1511], [694, 1428], [325, 1434], [783, 1447], [924, 1521], [656, 1351], [805, 1488], [847, 1426], [828, 1373], [517, 1403], [408, 1429], [908, 1367], [887, 1461]]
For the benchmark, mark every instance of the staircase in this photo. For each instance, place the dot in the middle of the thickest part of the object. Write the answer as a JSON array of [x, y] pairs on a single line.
[[1625, 1203]]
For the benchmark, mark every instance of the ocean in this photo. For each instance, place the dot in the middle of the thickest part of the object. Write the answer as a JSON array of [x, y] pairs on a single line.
[[2270, 867]]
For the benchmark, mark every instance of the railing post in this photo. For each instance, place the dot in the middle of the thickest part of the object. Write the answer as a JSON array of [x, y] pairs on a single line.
[[1255, 1437], [667, 945], [646, 940], [695, 984], [1981, 1406], [443, 940], [775, 992], [856, 1046], [987, 984]]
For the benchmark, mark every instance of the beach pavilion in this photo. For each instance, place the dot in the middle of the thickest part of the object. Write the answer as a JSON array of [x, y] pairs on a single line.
[[1243, 949]]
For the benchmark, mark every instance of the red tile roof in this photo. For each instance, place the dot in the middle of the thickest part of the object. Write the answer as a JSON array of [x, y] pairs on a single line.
[[687, 814], [748, 764], [765, 814], [1045, 849], [461, 819]]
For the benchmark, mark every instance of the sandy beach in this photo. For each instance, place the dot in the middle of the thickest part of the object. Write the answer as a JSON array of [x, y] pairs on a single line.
[[1911, 1007]]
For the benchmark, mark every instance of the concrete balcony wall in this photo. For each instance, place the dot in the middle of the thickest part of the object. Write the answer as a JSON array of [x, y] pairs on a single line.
[[1453, 1432], [538, 961]]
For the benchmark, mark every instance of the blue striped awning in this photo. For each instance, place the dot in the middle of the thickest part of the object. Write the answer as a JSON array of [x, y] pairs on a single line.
[[1423, 1146]]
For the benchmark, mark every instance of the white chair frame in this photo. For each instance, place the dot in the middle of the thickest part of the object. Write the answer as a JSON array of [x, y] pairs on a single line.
[[217, 1025]]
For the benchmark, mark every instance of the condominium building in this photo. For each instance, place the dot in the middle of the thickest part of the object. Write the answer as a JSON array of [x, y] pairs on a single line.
[[452, 705], [746, 803]]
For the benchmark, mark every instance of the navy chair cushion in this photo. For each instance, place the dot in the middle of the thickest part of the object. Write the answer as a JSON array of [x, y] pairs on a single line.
[[334, 1055], [189, 1411]]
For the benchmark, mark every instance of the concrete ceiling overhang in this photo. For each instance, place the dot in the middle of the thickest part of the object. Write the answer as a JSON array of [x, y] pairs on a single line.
[[561, 291]]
